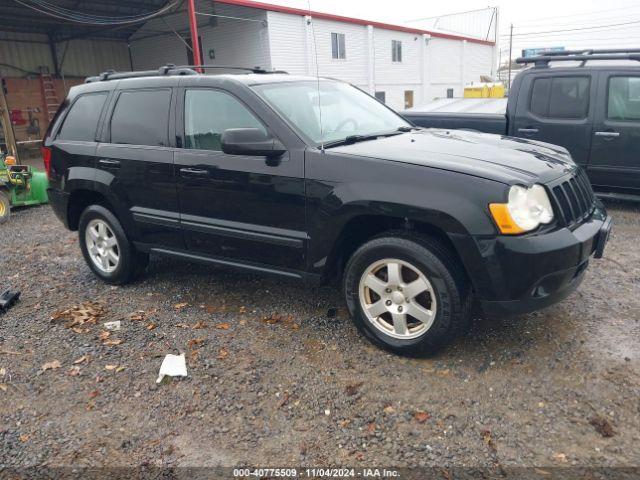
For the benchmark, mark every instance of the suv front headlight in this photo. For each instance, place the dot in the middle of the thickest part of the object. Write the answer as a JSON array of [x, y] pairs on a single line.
[[525, 210]]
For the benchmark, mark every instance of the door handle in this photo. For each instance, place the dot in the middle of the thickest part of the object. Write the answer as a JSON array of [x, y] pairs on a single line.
[[109, 163], [607, 134], [528, 130], [194, 172]]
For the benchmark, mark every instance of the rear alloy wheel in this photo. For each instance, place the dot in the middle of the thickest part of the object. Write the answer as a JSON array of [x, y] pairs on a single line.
[[102, 246], [106, 248], [407, 293]]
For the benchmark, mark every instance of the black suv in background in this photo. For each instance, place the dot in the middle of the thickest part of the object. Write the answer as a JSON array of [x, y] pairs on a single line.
[[312, 179]]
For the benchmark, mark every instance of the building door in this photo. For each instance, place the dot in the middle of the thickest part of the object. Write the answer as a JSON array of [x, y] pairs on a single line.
[[408, 98]]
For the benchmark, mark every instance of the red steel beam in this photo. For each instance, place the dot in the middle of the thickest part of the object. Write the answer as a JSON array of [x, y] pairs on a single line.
[[193, 26]]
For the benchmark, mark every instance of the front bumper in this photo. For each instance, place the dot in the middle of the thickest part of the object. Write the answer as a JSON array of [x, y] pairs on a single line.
[[532, 272]]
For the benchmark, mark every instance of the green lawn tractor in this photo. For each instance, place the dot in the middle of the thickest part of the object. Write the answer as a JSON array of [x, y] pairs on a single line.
[[20, 185]]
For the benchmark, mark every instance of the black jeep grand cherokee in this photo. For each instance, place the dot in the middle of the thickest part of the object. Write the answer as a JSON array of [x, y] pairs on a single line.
[[310, 179]]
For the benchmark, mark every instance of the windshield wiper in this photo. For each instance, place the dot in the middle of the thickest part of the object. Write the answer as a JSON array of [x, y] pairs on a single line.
[[351, 139]]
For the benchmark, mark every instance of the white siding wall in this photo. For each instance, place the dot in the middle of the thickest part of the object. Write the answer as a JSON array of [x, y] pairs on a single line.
[[234, 42], [428, 68]]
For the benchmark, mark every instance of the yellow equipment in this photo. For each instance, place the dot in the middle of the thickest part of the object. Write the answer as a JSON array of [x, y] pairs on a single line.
[[484, 90]]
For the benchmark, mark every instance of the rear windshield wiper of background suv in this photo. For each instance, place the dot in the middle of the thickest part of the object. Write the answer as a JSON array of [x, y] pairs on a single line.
[[361, 138]]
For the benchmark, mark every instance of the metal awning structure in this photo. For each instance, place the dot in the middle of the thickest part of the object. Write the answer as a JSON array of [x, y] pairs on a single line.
[[37, 16]]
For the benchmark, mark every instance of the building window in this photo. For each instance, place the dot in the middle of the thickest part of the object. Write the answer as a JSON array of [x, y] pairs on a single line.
[[396, 50], [449, 92], [408, 98], [337, 46], [381, 96]]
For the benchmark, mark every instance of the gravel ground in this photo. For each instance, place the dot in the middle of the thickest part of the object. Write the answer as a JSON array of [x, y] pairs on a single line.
[[278, 377]]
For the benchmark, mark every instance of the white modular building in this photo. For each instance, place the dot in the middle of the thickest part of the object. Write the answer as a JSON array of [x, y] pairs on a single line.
[[402, 66]]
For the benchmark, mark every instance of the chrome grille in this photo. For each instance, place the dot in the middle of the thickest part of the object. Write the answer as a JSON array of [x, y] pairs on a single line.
[[574, 199]]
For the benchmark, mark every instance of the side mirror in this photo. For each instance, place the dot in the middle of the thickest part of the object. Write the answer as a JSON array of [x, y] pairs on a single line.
[[250, 141]]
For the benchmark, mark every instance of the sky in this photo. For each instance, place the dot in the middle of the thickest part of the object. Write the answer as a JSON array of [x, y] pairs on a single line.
[[536, 23]]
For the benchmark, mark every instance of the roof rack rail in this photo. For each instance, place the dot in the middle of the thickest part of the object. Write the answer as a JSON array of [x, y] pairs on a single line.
[[171, 69], [582, 56]]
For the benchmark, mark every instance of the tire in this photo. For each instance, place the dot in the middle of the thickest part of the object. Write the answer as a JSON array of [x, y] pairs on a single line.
[[125, 263], [5, 207], [444, 304]]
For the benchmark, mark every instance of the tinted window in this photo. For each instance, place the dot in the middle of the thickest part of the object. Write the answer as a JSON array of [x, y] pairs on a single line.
[[624, 98], [208, 113], [560, 97], [82, 121], [141, 117]]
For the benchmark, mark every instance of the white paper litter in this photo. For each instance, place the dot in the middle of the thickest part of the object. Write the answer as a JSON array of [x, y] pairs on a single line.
[[112, 325], [172, 366]]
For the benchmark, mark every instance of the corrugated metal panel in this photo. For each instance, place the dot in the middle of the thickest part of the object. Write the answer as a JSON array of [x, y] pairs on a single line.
[[82, 58], [23, 56]]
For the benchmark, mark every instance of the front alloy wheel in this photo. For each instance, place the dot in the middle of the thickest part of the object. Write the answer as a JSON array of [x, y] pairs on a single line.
[[397, 298]]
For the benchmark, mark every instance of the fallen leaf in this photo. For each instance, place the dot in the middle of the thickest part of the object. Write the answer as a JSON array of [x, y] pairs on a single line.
[[222, 326], [73, 371], [51, 365], [200, 325], [103, 335], [602, 426], [195, 342], [222, 354], [137, 316], [3, 387], [284, 400], [388, 409], [560, 457], [151, 326], [82, 359], [352, 390], [87, 313], [344, 423], [110, 367], [112, 342], [421, 416], [180, 306], [371, 428], [120, 369], [3, 371], [24, 438], [182, 325], [272, 319], [94, 393], [242, 310]]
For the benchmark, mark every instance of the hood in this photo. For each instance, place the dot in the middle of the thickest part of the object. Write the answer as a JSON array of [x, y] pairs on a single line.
[[504, 159]]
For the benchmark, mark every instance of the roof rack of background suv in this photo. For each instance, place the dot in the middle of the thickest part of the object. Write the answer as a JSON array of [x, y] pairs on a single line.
[[171, 69], [582, 56]]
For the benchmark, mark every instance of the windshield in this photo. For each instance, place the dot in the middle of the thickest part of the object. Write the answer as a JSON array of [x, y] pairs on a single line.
[[345, 111]]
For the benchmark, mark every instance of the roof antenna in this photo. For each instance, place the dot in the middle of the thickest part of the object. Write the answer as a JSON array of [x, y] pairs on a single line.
[[315, 51]]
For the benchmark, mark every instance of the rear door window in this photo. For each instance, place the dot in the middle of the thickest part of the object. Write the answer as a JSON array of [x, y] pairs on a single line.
[[624, 98], [560, 97], [81, 122], [141, 117]]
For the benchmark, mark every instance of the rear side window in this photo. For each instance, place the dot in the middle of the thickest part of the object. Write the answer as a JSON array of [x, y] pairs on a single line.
[[624, 98], [141, 117], [560, 97], [81, 122]]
